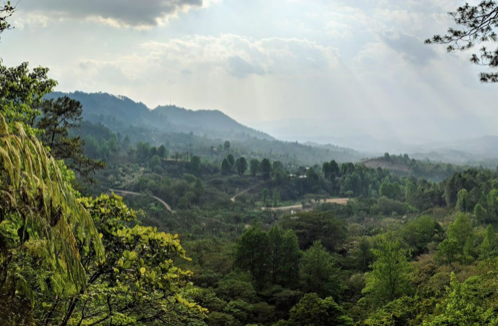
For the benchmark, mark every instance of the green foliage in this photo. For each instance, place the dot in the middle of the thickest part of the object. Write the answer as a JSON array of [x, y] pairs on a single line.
[[241, 165], [390, 277], [313, 226], [137, 282], [462, 308], [154, 162], [21, 90], [58, 118], [313, 311], [463, 201], [226, 167], [419, 233], [195, 165], [41, 220], [5, 13], [254, 166], [252, 254], [477, 24], [460, 241], [265, 168], [318, 272], [489, 247]]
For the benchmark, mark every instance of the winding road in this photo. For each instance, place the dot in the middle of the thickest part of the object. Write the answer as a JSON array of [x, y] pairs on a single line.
[[125, 192]]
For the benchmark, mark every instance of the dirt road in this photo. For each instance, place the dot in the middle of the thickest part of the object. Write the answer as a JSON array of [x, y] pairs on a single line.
[[299, 207], [125, 192]]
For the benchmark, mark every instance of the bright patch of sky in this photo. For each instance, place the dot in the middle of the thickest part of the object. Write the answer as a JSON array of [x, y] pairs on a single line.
[[298, 69]]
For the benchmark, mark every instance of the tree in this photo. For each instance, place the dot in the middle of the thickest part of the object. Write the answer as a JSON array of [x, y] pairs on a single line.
[[275, 236], [390, 276], [154, 162], [254, 166], [241, 165], [143, 151], [317, 272], [226, 145], [480, 213], [161, 151], [313, 226], [478, 23], [5, 13], [40, 221], [40, 217], [387, 190], [58, 118], [226, 167], [137, 281], [363, 254], [231, 160], [492, 203], [462, 200], [488, 248], [195, 165], [252, 254], [265, 168], [276, 197], [264, 195], [462, 307], [313, 311], [288, 275], [459, 243], [420, 232]]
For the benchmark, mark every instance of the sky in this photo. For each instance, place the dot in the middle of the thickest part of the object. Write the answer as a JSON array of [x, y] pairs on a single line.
[[316, 70]]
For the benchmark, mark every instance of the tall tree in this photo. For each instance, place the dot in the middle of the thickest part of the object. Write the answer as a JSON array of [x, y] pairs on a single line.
[[226, 145], [265, 168], [390, 277], [195, 164], [264, 195], [254, 166], [276, 197], [226, 167], [489, 246], [40, 222], [318, 272], [288, 275], [231, 160], [252, 254], [477, 25], [241, 165], [59, 116]]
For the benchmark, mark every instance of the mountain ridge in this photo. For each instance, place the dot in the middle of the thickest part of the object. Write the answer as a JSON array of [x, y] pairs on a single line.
[[119, 112]]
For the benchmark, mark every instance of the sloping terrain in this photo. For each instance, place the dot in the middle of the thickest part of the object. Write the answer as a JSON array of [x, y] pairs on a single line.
[[120, 113]]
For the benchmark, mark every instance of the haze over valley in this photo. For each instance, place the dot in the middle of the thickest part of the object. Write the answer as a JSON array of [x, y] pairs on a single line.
[[248, 163]]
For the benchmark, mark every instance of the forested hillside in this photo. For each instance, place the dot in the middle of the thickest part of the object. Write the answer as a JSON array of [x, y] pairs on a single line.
[[120, 113], [108, 219], [402, 165]]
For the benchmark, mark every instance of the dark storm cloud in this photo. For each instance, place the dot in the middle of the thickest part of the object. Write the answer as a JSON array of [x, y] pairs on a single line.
[[127, 12], [410, 47]]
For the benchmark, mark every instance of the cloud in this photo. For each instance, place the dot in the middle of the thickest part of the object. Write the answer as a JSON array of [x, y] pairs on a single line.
[[240, 68], [241, 56], [117, 13], [409, 47]]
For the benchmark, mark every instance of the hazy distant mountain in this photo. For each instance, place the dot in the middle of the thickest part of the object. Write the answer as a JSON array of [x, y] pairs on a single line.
[[120, 113]]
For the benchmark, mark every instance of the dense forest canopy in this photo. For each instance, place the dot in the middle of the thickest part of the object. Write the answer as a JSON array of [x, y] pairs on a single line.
[[100, 226]]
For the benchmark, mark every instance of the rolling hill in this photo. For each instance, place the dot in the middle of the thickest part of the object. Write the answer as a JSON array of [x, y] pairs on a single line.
[[119, 113]]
